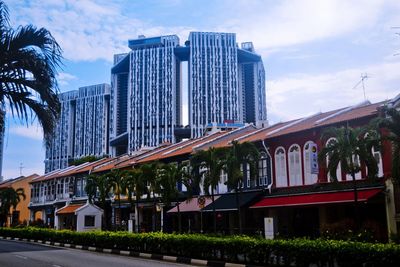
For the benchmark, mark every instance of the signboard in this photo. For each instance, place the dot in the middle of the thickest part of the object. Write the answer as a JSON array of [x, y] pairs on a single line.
[[314, 159], [201, 201], [130, 226], [269, 227]]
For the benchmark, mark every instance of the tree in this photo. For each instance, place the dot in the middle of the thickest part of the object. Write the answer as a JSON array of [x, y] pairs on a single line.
[[99, 186], [150, 172], [29, 58], [207, 166], [238, 156], [391, 123], [350, 148], [9, 198], [133, 183], [116, 181], [169, 177]]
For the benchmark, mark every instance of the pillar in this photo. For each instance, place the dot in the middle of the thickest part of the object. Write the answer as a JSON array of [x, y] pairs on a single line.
[[390, 208]]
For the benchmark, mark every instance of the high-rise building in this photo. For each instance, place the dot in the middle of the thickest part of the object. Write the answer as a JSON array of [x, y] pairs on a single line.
[[146, 94], [226, 88], [252, 83], [213, 80], [82, 129]]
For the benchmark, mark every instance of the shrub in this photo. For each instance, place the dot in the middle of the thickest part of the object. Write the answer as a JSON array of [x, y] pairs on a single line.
[[244, 249]]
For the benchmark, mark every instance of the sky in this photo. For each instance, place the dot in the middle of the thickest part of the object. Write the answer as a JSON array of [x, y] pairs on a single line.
[[314, 52]]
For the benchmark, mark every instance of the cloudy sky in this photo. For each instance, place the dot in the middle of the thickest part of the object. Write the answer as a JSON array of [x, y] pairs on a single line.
[[314, 51]]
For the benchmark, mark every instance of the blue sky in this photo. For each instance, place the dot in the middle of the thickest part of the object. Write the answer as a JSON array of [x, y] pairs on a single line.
[[314, 51]]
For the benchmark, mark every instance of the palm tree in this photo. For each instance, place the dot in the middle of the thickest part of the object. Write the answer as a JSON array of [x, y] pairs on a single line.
[[170, 176], [207, 166], [349, 145], [99, 185], [116, 181], [240, 155], [150, 172], [9, 198], [391, 123], [29, 58], [134, 185]]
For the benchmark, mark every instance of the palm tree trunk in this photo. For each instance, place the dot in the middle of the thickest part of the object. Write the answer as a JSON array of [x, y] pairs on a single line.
[[137, 216], [154, 213], [105, 214], [238, 200], [214, 212], [179, 216], [356, 215]]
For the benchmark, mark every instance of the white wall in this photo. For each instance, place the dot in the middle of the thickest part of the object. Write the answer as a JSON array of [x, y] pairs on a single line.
[[88, 210]]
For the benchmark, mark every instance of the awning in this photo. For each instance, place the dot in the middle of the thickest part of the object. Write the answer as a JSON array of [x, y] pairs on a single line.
[[191, 205], [316, 198], [227, 201], [69, 209]]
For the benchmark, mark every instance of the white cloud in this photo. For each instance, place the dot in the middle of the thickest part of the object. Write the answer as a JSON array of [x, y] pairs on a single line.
[[299, 95], [32, 132], [89, 30], [63, 78]]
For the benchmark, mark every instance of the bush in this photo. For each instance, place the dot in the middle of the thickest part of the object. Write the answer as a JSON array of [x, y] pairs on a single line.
[[243, 249]]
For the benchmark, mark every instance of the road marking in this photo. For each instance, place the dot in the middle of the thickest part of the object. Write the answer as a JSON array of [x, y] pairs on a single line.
[[20, 256], [55, 265]]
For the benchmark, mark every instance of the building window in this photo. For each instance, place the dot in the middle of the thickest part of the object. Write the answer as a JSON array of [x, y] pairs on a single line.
[[309, 177], [378, 157], [89, 220], [338, 169], [280, 167], [295, 175], [248, 177], [264, 169]]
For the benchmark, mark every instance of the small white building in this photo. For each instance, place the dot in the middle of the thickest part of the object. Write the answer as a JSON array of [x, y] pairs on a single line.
[[80, 217]]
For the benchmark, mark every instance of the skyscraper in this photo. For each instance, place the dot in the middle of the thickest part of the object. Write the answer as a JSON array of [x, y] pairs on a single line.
[[82, 129], [213, 80], [226, 83], [252, 83], [146, 94], [226, 86]]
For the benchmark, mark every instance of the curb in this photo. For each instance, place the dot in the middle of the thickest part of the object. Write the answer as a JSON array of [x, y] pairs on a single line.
[[175, 259]]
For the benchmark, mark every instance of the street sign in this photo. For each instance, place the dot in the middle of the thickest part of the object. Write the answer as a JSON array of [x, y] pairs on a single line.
[[201, 201], [269, 227], [314, 159]]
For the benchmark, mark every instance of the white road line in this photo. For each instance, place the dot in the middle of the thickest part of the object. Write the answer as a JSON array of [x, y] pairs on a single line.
[[20, 256], [55, 265]]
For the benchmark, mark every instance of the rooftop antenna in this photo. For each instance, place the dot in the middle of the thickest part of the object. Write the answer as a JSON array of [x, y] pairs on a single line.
[[21, 166], [364, 76]]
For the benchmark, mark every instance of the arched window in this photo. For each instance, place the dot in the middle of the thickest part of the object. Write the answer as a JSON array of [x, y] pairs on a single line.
[[339, 168], [280, 167], [309, 177], [356, 162], [295, 175], [378, 157]]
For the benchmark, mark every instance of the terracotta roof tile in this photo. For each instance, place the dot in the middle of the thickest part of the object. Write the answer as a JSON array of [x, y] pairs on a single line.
[[69, 209]]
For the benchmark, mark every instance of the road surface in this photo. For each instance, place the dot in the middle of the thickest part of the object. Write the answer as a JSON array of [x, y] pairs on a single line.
[[20, 254]]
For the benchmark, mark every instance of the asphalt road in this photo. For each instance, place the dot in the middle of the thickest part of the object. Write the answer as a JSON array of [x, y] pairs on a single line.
[[20, 254]]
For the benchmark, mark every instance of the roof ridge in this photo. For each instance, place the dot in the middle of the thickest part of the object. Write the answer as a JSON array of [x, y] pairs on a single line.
[[221, 136], [343, 110]]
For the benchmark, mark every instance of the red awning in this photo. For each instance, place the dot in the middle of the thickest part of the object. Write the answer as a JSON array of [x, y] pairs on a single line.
[[315, 199]]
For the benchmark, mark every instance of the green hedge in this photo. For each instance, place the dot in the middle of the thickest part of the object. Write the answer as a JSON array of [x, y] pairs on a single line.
[[301, 252]]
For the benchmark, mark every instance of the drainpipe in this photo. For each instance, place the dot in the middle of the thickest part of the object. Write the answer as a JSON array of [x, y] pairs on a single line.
[[272, 180]]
